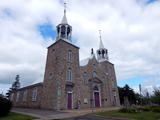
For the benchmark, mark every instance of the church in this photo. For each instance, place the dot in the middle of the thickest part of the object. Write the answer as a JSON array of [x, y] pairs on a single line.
[[68, 82]]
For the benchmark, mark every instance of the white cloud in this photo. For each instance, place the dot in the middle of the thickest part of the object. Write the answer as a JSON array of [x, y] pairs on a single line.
[[130, 31]]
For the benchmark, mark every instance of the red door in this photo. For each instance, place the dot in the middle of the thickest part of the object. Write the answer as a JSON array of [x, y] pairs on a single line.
[[97, 100], [69, 104]]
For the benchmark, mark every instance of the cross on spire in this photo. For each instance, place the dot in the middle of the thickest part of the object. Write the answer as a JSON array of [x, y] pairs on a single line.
[[64, 19], [65, 6]]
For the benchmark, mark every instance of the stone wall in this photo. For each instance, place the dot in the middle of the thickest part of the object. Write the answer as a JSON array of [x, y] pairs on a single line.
[[25, 99], [55, 78]]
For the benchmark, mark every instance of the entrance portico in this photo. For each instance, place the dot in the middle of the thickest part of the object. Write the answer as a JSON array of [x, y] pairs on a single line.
[[95, 85]]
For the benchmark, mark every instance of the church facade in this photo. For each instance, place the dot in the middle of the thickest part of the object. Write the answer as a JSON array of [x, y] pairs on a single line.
[[68, 82]]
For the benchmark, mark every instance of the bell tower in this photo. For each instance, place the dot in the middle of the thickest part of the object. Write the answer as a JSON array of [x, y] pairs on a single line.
[[62, 70], [102, 53], [64, 30]]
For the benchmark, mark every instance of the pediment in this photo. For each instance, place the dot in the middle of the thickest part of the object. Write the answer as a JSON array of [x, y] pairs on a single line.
[[95, 80]]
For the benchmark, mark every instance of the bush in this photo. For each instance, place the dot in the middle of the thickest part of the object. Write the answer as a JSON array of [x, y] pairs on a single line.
[[128, 110], [5, 106], [146, 109], [155, 109]]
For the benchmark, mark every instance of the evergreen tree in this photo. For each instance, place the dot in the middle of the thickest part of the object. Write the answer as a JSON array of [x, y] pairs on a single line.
[[127, 94], [15, 86]]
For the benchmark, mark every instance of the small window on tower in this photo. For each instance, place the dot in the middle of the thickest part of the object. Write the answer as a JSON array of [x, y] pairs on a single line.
[[69, 74], [50, 76], [69, 56]]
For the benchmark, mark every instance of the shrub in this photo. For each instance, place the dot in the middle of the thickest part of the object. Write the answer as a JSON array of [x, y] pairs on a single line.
[[128, 110], [146, 109], [155, 109], [5, 106]]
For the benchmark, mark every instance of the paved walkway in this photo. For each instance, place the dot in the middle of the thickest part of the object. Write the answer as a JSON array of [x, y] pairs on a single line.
[[50, 115]]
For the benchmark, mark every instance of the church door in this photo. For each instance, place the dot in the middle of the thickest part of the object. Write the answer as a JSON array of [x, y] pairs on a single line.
[[97, 99], [69, 101]]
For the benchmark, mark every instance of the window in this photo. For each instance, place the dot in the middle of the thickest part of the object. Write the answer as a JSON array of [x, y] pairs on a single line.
[[69, 74], [113, 84], [25, 95], [12, 95], [50, 76], [17, 98], [34, 94], [96, 88], [69, 56], [85, 77], [94, 74]]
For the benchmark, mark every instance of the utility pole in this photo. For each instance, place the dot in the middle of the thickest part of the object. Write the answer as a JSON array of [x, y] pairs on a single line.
[[140, 91]]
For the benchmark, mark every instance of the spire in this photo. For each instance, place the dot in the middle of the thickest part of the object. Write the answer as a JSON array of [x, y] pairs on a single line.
[[64, 19], [64, 30], [101, 43], [102, 53]]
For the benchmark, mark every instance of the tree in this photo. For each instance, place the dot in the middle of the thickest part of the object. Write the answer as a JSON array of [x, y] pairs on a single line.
[[155, 98], [5, 106], [15, 86], [128, 95]]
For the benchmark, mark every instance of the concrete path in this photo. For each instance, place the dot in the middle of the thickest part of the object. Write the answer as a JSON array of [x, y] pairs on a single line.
[[93, 117], [51, 115]]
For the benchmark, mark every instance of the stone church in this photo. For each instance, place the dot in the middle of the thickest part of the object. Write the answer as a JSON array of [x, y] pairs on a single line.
[[68, 82]]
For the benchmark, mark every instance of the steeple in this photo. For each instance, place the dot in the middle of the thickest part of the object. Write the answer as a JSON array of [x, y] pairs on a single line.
[[64, 19], [102, 53], [101, 43], [64, 30]]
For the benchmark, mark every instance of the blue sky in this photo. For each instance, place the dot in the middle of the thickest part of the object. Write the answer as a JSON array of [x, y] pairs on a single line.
[[47, 30], [151, 1], [130, 32]]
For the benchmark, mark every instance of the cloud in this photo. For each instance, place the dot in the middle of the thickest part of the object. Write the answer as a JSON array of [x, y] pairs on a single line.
[[130, 31]]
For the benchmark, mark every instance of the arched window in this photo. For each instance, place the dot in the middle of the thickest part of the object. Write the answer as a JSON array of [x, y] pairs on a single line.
[[69, 56], [99, 52], [103, 53], [69, 74], [94, 74], [85, 77], [25, 95], [34, 94], [96, 88]]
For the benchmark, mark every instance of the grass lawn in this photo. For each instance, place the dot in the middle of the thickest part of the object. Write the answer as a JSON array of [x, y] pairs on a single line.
[[133, 116], [16, 116]]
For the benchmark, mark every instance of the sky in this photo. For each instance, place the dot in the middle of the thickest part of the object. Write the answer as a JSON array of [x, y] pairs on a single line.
[[130, 32]]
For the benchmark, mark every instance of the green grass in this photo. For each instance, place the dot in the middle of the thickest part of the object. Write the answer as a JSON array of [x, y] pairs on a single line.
[[16, 116], [133, 116]]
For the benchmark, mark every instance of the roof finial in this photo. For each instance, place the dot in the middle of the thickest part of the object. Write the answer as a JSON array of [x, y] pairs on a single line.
[[64, 19], [65, 6], [100, 44], [100, 34]]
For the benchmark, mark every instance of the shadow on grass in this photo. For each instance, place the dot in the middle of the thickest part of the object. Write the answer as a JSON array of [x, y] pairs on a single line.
[[135, 116], [16, 116]]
